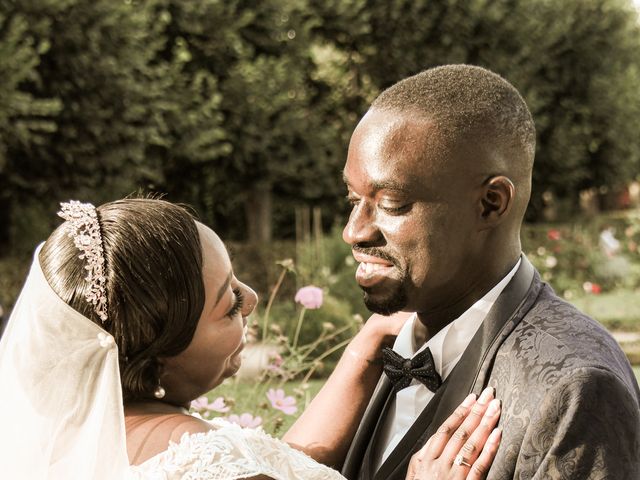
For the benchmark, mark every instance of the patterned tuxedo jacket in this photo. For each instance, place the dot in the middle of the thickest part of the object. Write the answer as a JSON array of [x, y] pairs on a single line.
[[571, 404]]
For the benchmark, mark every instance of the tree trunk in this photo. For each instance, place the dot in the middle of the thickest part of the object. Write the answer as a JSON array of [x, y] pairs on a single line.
[[258, 206]]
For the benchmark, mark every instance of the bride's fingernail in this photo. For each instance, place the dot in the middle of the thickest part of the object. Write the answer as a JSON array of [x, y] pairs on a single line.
[[487, 394], [494, 406], [470, 400], [495, 435]]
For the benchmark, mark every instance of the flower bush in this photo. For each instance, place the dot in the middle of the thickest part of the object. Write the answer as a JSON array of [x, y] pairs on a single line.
[[575, 260]]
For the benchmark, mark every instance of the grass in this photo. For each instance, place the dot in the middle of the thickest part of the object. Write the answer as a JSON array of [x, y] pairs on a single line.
[[616, 310], [636, 370]]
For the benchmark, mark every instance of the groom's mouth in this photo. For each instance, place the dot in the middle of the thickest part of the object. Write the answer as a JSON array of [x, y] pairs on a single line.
[[372, 270]]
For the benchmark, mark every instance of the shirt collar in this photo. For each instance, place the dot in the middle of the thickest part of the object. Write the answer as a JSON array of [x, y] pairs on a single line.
[[450, 342]]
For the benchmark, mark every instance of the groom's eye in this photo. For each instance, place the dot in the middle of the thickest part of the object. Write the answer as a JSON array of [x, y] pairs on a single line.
[[394, 209]]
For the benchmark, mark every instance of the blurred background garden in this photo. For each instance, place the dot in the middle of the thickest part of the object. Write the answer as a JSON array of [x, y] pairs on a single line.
[[244, 109]]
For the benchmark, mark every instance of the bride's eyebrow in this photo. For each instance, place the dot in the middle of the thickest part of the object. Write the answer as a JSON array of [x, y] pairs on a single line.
[[224, 287]]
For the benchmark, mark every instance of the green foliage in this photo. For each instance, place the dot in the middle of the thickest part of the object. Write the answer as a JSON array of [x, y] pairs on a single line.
[[99, 65], [92, 63], [571, 258], [23, 117], [275, 108], [13, 271], [244, 109], [576, 62]]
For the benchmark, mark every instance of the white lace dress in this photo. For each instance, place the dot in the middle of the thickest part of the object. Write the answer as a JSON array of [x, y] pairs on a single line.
[[231, 452]]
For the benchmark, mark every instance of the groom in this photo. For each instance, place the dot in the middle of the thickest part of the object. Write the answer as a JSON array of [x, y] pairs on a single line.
[[439, 177]]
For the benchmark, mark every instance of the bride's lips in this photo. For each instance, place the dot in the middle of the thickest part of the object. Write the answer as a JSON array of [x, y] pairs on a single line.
[[236, 357], [372, 269]]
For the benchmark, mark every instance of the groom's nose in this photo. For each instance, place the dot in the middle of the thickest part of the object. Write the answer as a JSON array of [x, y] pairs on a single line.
[[361, 227]]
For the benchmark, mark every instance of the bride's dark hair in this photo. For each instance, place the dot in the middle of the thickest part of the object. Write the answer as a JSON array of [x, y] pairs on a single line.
[[155, 291]]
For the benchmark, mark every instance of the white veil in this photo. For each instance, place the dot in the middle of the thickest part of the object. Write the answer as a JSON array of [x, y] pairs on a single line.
[[61, 413]]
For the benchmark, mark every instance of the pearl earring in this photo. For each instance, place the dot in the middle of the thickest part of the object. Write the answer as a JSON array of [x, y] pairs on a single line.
[[159, 392]]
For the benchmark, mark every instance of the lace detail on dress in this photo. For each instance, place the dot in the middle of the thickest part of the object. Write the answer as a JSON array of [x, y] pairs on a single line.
[[231, 452]]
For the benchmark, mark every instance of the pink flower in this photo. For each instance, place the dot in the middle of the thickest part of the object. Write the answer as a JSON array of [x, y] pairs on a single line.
[[246, 420], [309, 297], [554, 234], [280, 402], [276, 363], [202, 403], [276, 359], [218, 405]]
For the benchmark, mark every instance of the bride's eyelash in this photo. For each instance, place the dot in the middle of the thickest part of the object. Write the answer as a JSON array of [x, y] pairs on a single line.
[[237, 306]]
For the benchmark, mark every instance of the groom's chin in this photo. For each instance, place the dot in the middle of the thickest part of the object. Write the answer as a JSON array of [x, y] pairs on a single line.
[[384, 304]]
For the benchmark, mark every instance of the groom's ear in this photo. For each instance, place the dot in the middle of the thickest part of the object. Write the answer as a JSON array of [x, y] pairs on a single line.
[[496, 200]]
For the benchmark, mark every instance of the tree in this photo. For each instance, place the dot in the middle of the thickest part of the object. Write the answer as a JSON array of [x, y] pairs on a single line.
[[123, 111], [25, 120], [585, 107], [283, 138]]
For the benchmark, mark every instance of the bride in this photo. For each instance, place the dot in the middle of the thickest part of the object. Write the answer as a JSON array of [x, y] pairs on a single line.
[[132, 310]]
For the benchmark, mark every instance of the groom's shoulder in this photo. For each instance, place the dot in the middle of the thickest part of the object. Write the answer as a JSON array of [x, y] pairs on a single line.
[[555, 333], [562, 376]]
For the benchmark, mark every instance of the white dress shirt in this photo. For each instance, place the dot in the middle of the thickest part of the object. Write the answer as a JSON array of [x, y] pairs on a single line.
[[447, 346]]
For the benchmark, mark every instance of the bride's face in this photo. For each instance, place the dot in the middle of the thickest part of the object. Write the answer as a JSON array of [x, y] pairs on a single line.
[[214, 351]]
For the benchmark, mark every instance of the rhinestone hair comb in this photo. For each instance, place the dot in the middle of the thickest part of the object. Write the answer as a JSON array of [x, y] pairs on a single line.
[[83, 226]]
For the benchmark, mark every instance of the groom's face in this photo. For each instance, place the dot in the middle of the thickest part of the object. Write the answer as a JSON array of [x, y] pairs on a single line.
[[412, 217]]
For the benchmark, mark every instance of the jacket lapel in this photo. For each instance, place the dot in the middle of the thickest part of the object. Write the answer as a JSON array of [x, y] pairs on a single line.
[[470, 374], [368, 466], [372, 416]]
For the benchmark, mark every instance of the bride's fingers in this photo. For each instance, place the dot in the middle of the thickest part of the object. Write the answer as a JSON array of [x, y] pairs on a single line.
[[462, 436], [436, 444], [393, 323], [473, 423], [481, 466], [472, 447], [468, 458]]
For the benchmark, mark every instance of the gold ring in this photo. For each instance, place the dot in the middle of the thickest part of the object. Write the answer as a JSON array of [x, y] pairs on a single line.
[[460, 460]]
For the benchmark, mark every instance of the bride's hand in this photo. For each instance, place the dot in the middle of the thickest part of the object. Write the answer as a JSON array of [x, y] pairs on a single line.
[[467, 435], [386, 328]]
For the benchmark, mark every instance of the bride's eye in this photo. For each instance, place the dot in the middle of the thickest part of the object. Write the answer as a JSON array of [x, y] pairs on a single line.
[[237, 304]]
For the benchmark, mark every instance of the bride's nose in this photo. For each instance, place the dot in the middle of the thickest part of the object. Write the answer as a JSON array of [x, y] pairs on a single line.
[[250, 299]]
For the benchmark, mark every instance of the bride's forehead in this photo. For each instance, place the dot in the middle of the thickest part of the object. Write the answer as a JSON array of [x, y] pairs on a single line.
[[215, 259]]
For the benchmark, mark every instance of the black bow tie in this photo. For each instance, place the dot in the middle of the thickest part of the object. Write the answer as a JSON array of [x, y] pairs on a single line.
[[401, 371]]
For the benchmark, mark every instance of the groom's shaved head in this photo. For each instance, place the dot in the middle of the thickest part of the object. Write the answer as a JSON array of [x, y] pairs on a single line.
[[473, 110], [466, 100]]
